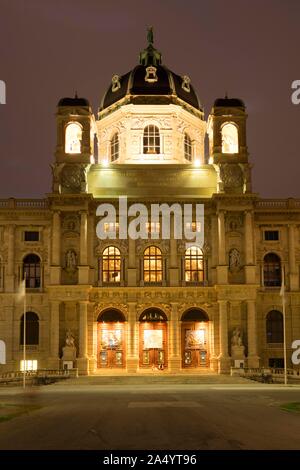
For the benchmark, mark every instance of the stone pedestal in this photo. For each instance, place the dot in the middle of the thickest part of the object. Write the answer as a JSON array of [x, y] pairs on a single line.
[[238, 352], [69, 353]]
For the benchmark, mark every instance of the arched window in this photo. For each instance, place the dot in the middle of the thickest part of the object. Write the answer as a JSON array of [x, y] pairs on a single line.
[[2, 352], [152, 264], [274, 327], [193, 264], [151, 140], [111, 264], [230, 139], [272, 270], [73, 138], [32, 268], [114, 147], [31, 330], [188, 148]]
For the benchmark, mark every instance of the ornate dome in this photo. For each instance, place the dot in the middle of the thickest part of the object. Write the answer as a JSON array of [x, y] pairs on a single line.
[[150, 82]]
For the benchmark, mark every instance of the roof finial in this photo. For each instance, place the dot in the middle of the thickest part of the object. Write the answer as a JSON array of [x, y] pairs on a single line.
[[226, 95], [76, 96], [150, 38]]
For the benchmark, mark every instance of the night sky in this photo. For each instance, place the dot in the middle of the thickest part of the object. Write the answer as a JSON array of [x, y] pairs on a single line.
[[50, 48]]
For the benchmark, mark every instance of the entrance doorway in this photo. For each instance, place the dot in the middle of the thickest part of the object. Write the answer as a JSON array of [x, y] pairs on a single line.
[[194, 339], [153, 339], [111, 341]]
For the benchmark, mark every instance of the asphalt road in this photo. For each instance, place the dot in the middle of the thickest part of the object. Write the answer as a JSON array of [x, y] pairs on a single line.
[[171, 417]]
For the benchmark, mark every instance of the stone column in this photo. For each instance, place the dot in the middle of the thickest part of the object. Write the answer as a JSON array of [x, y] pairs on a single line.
[[55, 268], [131, 271], [10, 278], [293, 276], [83, 269], [56, 229], [83, 238], [82, 361], [249, 248], [224, 359], [222, 268], [174, 339], [253, 359], [54, 334], [132, 339]]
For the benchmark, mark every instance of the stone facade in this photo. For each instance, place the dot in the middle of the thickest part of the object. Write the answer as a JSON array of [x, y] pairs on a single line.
[[239, 288]]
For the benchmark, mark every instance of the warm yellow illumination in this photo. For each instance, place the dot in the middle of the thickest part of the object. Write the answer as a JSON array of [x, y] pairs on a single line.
[[105, 162], [30, 364], [73, 138], [230, 140], [197, 163]]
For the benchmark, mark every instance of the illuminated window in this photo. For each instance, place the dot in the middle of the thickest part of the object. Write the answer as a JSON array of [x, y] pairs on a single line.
[[114, 147], [32, 268], [111, 227], [193, 226], [193, 264], [111, 264], [31, 364], [188, 148], [230, 140], [2, 352], [274, 327], [151, 140], [73, 138], [31, 329], [153, 227], [152, 264], [272, 270]]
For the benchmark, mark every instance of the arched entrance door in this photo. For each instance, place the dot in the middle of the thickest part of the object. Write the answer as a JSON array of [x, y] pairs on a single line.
[[111, 348], [194, 338], [153, 339]]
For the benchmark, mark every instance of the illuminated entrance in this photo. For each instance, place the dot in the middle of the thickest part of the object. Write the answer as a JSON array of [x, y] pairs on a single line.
[[153, 339], [111, 339], [194, 339]]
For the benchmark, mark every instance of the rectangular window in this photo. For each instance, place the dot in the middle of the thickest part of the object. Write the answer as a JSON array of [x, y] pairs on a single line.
[[31, 236], [193, 226], [153, 227], [271, 235], [29, 365], [111, 227]]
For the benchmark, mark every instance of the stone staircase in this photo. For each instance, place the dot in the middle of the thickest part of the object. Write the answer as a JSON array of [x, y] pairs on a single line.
[[157, 379]]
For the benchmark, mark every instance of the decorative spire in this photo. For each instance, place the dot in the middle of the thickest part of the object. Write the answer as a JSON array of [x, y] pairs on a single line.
[[76, 96], [150, 37], [150, 55]]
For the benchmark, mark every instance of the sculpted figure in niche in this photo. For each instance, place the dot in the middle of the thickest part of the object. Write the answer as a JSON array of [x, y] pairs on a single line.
[[236, 338], [234, 259], [71, 262], [70, 340]]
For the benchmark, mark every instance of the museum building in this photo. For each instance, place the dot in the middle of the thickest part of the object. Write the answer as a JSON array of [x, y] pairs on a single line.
[[136, 305]]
